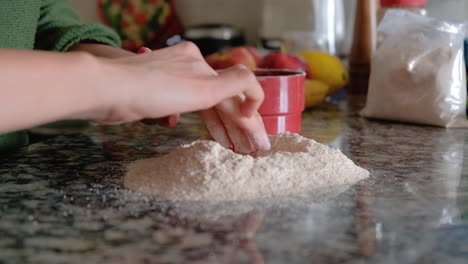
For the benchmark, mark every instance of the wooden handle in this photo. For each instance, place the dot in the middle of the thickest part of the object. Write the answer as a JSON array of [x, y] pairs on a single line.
[[363, 45]]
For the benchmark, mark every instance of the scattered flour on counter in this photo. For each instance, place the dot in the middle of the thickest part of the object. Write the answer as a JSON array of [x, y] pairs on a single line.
[[205, 170]]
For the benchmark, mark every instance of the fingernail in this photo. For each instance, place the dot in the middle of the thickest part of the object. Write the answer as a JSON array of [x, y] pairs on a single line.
[[172, 120], [226, 143], [143, 50], [262, 141], [243, 149]]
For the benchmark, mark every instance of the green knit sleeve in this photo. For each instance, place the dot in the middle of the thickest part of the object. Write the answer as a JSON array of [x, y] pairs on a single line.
[[59, 28]]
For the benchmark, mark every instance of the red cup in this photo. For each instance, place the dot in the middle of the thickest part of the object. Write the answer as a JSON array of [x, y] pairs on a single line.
[[282, 108]]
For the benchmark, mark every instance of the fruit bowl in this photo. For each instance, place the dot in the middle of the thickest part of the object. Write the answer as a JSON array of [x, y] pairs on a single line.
[[325, 74]]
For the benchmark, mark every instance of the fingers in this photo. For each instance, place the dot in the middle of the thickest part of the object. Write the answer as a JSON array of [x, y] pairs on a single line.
[[261, 141], [237, 80], [254, 130], [239, 115], [216, 127], [185, 48], [227, 126], [209, 87], [169, 121], [188, 48], [252, 127], [239, 139], [234, 93], [243, 135], [143, 50]]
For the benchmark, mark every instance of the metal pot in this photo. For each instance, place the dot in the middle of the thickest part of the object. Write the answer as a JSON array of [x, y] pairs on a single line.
[[211, 38]]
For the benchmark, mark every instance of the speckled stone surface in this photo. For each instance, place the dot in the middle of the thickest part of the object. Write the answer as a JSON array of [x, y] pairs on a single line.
[[61, 201]]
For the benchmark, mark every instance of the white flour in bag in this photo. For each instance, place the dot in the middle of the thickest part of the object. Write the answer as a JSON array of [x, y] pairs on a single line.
[[205, 170], [418, 72]]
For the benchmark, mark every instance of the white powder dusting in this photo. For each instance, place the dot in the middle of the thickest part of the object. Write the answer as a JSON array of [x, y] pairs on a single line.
[[205, 170]]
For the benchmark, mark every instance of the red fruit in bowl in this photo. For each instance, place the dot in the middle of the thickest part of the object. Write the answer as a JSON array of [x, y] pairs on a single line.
[[285, 61], [255, 55], [246, 56]]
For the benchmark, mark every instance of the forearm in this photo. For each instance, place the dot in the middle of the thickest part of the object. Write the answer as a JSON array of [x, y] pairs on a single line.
[[40, 87], [101, 50]]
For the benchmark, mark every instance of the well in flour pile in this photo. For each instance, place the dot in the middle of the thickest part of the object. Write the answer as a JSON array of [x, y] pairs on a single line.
[[205, 170]]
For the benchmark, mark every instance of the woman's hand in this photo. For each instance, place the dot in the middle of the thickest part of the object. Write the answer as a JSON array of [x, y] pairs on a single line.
[[177, 80], [39, 87], [168, 121]]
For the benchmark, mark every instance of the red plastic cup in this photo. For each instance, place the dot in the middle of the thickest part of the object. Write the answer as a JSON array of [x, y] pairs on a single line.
[[282, 108]]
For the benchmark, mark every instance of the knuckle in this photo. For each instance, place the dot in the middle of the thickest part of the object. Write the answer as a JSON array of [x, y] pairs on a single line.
[[249, 77], [243, 73], [189, 48], [261, 94]]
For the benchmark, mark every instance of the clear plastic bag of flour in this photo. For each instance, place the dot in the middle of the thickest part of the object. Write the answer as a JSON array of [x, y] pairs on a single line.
[[418, 72]]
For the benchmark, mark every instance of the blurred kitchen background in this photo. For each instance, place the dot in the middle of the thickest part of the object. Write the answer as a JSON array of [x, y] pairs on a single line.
[[266, 17]]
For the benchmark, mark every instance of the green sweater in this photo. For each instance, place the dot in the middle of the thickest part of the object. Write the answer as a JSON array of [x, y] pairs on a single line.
[[44, 25]]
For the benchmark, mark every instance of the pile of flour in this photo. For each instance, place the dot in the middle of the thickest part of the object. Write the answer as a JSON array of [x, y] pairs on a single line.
[[205, 170]]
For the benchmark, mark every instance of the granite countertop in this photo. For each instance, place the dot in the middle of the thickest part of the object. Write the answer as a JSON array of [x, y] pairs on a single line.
[[62, 201]]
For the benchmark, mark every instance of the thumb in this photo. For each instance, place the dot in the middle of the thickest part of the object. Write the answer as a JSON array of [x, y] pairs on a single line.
[[143, 50]]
